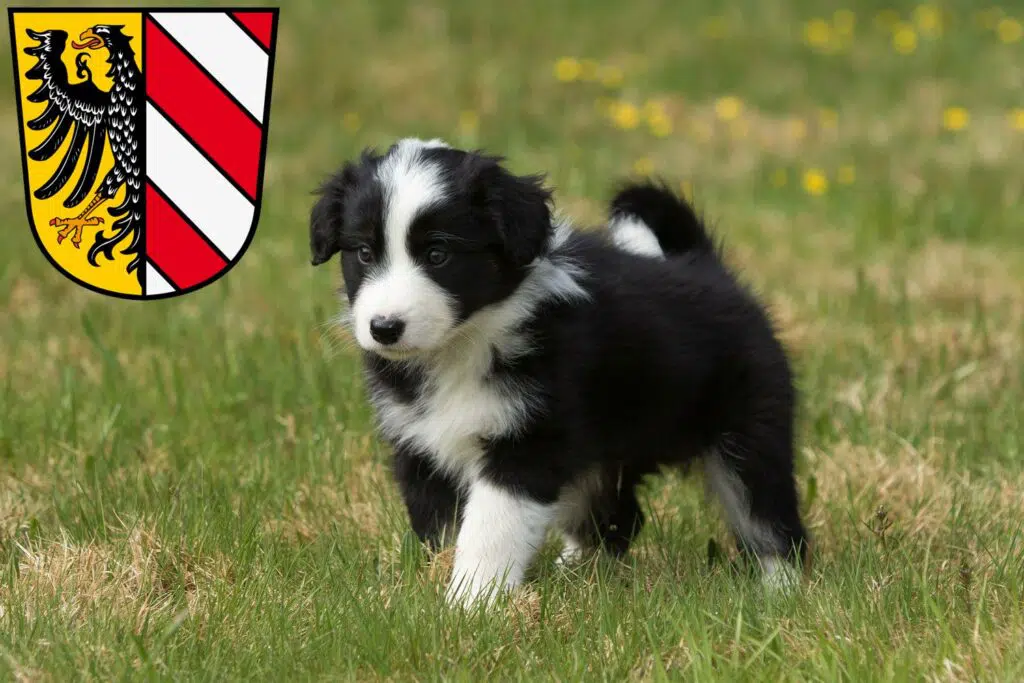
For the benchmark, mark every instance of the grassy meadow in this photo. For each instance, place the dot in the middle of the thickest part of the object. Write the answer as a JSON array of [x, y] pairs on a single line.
[[192, 489]]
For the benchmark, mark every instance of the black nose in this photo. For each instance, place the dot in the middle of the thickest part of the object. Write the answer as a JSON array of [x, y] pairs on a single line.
[[386, 330]]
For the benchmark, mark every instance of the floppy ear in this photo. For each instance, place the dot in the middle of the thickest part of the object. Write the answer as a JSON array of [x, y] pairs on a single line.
[[328, 214], [324, 225], [519, 204], [326, 217]]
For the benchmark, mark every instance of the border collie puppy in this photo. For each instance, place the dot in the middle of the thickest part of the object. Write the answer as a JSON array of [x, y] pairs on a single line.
[[529, 376]]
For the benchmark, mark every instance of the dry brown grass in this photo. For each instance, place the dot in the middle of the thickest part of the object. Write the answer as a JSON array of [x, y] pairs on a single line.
[[22, 497], [710, 148], [135, 578], [913, 488], [357, 504], [952, 276]]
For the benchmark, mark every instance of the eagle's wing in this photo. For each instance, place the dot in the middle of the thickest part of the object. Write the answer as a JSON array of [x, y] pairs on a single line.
[[76, 108]]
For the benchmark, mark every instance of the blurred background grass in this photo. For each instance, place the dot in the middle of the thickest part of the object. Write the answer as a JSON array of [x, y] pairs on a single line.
[[191, 488]]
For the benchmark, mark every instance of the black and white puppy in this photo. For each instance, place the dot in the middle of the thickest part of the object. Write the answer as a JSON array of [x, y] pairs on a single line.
[[529, 376]]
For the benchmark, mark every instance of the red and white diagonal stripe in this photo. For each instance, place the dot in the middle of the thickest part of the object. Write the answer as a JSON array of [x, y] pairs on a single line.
[[206, 76]]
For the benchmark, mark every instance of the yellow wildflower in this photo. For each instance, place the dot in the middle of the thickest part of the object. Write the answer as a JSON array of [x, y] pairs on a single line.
[[904, 39], [1009, 30], [660, 125], [657, 118], [1017, 119], [955, 118], [928, 19], [846, 175], [828, 118], [351, 122], [779, 177], [567, 69], [611, 76], [625, 115], [817, 33], [643, 166], [728, 108], [815, 182]]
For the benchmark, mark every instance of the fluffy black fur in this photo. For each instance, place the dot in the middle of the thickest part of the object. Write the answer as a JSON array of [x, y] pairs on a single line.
[[670, 360]]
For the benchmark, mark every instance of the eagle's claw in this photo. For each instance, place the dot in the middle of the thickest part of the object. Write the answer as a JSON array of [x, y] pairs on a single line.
[[73, 227]]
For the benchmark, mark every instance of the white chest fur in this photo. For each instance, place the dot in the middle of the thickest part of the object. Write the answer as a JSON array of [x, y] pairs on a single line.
[[460, 404]]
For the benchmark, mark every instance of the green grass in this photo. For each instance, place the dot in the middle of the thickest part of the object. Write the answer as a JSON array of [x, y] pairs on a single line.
[[192, 489]]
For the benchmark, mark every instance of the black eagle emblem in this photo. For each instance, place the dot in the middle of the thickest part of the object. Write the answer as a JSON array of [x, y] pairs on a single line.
[[91, 116]]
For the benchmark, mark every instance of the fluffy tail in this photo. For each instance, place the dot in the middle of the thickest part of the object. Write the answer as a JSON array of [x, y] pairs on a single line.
[[651, 220]]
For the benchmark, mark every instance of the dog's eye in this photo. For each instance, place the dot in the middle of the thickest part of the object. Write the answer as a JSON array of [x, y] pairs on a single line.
[[365, 255], [436, 256]]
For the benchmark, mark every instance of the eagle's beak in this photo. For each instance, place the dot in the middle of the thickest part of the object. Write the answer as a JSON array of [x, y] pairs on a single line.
[[90, 41]]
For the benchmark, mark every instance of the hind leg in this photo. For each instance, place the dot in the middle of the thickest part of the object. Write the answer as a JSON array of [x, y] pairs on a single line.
[[602, 512], [572, 518], [759, 498], [574, 548]]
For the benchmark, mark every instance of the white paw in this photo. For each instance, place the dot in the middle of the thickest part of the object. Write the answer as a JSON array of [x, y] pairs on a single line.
[[779, 576], [572, 553], [500, 534], [466, 591]]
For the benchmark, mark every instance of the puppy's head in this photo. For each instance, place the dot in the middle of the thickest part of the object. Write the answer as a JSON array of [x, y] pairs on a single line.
[[428, 235]]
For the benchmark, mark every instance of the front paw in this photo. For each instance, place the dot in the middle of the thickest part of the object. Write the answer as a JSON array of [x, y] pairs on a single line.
[[466, 591], [779, 576]]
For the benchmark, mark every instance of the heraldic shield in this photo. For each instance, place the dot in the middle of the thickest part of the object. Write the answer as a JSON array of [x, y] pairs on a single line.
[[143, 139]]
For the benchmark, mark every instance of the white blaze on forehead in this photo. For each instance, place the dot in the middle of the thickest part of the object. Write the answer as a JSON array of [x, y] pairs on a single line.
[[411, 185], [397, 286]]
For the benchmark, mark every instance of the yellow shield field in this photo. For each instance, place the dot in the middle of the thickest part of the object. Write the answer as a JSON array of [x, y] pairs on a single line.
[[63, 145]]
